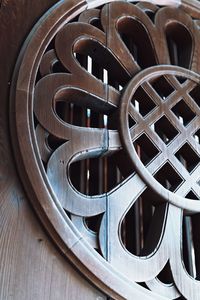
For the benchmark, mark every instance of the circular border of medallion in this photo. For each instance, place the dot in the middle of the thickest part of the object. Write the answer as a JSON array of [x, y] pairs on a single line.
[[32, 174]]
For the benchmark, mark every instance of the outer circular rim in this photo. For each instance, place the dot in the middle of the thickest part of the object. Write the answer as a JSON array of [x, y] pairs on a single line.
[[146, 176], [60, 228]]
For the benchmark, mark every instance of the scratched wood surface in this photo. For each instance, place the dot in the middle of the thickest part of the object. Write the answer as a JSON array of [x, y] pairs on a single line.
[[31, 267]]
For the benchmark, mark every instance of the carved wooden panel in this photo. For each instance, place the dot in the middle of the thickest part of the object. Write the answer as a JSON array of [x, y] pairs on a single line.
[[106, 103], [31, 267]]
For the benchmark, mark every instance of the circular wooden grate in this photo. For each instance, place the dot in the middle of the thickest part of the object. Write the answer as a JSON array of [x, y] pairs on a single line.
[[107, 128]]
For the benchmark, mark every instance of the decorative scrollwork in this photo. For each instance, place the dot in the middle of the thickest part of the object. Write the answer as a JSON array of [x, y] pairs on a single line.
[[111, 128]]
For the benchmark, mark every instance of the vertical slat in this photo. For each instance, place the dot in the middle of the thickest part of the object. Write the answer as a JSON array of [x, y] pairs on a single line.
[[196, 240]]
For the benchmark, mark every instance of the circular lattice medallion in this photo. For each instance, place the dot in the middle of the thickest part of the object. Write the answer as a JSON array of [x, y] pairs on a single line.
[[168, 129], [106, 131]]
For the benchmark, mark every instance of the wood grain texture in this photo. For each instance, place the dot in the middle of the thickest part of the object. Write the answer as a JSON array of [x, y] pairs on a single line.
[[31, 267]]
